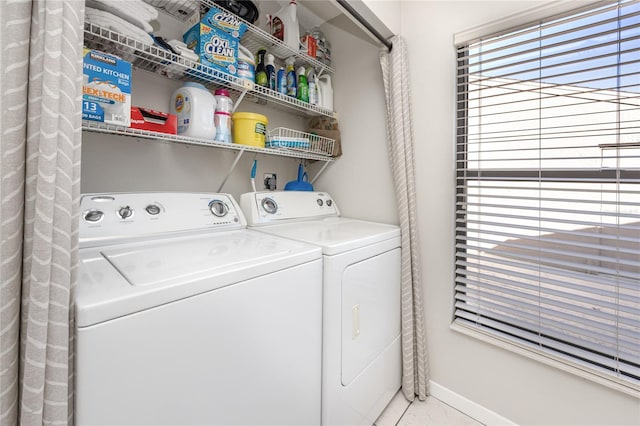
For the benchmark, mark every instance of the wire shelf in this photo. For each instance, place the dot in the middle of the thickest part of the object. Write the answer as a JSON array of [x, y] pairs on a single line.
[[254, 39], [154, 59], [97, 127], [160, 61], [179, 9], [289, 140]]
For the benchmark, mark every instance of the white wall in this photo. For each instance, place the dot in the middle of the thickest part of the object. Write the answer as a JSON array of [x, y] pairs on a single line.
[[361, 179], [388, 12], [513, 386]]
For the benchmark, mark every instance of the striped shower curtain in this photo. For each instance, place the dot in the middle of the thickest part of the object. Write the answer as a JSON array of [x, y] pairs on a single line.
[[395, 73], [40, 99]]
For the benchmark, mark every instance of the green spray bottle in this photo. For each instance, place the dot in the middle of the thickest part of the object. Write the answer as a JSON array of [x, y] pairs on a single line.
[[303, 86]]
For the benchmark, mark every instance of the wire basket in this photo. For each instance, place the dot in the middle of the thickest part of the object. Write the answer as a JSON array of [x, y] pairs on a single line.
[[295, 140]]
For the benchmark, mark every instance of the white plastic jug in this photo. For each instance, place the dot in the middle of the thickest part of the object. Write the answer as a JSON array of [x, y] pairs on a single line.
[[284, 25], [246, 64], [326, 91], [194, 105]]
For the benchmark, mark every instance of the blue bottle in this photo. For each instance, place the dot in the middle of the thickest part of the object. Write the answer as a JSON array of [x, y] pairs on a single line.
[[292, 83], [282, 81]]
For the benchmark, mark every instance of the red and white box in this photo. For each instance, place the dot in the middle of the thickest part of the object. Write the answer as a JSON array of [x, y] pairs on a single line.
[[153, 121], [310, 45]]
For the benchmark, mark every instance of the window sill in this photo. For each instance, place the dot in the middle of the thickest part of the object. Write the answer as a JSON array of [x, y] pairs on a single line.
[[565, 365]]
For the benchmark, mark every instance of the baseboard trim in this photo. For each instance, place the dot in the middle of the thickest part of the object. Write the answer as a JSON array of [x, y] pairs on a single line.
[[466, 406]]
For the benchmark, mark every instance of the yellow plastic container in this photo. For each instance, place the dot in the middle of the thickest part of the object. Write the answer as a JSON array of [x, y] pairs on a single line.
[[249, 128]]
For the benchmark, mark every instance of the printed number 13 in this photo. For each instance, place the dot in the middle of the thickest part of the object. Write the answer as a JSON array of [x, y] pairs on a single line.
[[89, 106]]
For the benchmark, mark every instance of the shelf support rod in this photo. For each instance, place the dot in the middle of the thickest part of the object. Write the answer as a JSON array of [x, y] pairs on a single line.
[[326, 163], [240, 98], [321, 71], [231, 169]]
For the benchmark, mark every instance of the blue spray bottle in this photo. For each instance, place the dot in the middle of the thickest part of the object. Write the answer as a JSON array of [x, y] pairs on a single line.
[[292, 86], [281, 81]]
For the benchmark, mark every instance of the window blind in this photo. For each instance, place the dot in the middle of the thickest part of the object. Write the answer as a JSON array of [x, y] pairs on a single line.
[[548, 188]]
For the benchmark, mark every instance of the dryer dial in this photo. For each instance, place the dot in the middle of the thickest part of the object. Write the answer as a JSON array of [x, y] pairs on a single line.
[[269, 205], [218, 208]]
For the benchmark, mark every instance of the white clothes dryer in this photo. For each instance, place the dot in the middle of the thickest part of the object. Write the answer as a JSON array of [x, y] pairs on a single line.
[[183, 316], [361, 353]]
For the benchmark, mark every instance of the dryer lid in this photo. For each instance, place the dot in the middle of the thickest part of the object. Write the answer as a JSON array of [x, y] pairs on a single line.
[[335, 234]]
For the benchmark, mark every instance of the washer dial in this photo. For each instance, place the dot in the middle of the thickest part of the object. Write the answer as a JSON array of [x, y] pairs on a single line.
[[93, 216], [153, 209], [125, 212], [218, 208]]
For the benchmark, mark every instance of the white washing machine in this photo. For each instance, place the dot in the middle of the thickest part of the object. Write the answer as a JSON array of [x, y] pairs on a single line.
[[361, 353], [184, 317]]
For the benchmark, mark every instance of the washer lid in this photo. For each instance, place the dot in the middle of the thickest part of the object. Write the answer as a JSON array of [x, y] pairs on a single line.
[[122, 279], [171, 260], [335, 234]]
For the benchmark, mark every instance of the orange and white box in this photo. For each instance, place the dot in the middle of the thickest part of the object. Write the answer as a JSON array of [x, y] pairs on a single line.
[[310, 45]]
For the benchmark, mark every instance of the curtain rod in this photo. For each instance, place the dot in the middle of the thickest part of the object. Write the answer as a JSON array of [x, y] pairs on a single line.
[[365, 23]]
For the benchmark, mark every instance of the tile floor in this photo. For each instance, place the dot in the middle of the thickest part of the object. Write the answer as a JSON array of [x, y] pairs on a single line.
[[431, 412]]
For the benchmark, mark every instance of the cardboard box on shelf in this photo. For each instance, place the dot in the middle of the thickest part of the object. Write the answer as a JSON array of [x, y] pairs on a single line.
[[106, 88], [309, 45], [215, 48], [215, 39], [218, 18]]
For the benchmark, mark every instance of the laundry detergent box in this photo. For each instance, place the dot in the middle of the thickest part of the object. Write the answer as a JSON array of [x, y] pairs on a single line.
[[215, 39], [106, 88]]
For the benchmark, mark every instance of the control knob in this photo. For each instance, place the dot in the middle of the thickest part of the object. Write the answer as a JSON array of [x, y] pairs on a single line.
[[153, 209], [269, 205], [125, 212], [93, 216], [218, 208]]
